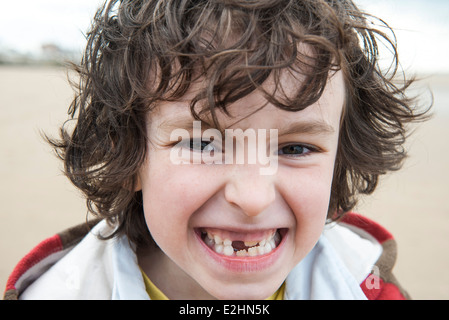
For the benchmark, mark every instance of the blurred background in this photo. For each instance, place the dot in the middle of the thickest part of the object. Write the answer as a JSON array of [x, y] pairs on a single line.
[[37, 36]]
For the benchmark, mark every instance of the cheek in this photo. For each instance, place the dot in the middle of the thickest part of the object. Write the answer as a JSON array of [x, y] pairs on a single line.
[[171, 195], [307, 193]]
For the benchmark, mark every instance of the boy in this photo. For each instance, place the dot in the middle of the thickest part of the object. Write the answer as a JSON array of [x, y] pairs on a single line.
[[284, 117]]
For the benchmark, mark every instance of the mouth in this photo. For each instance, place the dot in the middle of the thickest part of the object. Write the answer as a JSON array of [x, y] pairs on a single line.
[[242, 245]]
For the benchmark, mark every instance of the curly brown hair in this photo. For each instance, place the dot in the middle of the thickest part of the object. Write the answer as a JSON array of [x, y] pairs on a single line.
[[142, 52]]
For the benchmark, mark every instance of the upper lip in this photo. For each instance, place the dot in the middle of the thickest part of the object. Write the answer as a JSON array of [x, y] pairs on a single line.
[[242, 228]]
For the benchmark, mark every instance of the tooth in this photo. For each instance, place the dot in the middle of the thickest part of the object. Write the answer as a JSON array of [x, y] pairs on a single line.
[[209, 241], [252, 251], [251, 243], [228, 250], [217, 239], [242, 253], [218, 248], [277, 237], [267, 247], [254, 248]]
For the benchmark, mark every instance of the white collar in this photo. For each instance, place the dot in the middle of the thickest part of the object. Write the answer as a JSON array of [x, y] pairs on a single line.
[[98, 269]]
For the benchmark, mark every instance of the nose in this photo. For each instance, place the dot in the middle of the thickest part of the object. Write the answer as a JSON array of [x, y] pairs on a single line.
[[250, 191]]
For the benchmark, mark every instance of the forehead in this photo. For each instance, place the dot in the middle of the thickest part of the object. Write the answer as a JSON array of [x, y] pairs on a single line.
[[255, 111]]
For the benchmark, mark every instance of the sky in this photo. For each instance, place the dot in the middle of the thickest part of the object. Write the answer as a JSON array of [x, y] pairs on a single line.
[[26, 24], [421, 27]]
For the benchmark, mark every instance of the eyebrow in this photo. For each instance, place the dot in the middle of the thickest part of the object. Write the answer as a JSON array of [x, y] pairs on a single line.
[[313, 127], [181, 123]]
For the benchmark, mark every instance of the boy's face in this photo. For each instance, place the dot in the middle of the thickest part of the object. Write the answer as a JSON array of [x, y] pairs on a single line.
[[226, 230]]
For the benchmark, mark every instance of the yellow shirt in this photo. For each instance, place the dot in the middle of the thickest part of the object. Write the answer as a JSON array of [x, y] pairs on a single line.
[[156, 294]]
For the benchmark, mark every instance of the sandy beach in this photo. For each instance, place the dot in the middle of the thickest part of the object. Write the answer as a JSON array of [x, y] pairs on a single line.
[[38, 201]]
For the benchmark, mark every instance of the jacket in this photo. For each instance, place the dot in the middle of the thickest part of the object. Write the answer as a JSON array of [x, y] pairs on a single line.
[[353, 259]]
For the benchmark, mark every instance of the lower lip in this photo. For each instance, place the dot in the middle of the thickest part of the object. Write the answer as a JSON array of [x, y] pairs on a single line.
[[244, 264]]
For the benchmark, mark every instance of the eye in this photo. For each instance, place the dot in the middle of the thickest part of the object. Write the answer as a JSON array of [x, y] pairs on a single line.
[[203, 145], [295, 150]]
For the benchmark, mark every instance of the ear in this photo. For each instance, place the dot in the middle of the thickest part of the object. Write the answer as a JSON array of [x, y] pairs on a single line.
[[133, 184], [138, 185]]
